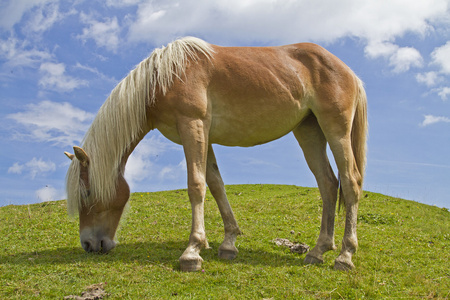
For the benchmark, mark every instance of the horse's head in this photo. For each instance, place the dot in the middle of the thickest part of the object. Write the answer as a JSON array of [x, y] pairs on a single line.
[[99, 218]]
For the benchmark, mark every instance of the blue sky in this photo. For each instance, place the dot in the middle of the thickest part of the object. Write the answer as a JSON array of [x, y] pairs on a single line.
[[59, 60]]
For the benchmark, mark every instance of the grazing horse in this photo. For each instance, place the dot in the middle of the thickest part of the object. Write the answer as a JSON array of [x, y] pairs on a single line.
[[198, 94]]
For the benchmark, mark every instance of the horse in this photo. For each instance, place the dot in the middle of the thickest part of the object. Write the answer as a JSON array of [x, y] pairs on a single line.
[[198, 94]]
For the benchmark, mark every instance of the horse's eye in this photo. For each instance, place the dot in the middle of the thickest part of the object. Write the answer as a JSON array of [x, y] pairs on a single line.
[[85, 194]]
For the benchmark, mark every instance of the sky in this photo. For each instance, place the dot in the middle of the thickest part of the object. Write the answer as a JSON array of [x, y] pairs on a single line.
[[59, 60]]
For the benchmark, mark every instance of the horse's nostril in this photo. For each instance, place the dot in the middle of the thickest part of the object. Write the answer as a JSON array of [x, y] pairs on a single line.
[[107, 245], [87, 246], [99, 245]]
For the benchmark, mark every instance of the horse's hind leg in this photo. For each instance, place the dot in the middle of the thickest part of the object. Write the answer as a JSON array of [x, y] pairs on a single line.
[[215, 183], [339, 138], [313, 143], [351, 181]]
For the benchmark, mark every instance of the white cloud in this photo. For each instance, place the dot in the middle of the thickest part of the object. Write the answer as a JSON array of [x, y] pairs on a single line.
[[16, 168], [105, 34], [122, 3], [284, 21], [96, 72], [12, 11], [400, 58], [430, 119], [139, 166], [33, 167], [441, 57], [54, 78], [171, 172], [405, 58], [226, 22], [49, 193], [428, 78], [143, 162], [19, 53], [47, 121], [43, 18], [380, 49], [443, 92]]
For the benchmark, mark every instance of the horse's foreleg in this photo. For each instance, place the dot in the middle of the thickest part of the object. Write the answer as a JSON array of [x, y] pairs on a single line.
[[215, 183], [195, 144], [313, 143]]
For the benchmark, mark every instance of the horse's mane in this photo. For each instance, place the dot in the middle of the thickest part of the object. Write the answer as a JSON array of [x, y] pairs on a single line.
[[120, 119]]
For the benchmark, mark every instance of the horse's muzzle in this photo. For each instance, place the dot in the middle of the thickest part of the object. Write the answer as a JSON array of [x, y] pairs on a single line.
[[99, 245]]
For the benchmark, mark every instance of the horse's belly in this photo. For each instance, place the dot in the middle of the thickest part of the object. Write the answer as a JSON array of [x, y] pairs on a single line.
[[250, 127]]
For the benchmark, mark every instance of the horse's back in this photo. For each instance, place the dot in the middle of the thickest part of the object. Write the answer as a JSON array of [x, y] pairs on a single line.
[[252, 95], [256, 95]]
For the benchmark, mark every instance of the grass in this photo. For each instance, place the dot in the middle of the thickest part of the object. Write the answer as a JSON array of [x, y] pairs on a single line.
[[404, 250]]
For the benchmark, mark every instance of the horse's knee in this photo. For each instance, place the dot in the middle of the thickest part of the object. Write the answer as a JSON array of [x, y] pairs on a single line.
[[196, 190]]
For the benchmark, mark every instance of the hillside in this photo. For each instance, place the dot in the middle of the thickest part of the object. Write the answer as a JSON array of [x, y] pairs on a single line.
[[404, 250]]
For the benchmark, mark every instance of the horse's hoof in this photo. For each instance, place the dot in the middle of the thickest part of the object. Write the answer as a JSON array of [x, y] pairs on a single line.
[[343, 265], [227, 253], [191, 265], [312, 260]]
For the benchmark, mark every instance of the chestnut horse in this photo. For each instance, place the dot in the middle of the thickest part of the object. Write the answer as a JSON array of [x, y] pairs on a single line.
[[198, 94]]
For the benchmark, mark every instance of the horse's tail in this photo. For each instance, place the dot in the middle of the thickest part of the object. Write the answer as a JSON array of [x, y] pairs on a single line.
[[359, 134], [359, 130]]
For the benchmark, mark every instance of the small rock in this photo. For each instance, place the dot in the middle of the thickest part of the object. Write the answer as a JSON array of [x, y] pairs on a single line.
[[283, 242], [93, 292], [300, 248]]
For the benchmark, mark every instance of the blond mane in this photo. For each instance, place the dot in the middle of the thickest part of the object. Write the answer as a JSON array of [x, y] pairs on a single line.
[[120, 119]]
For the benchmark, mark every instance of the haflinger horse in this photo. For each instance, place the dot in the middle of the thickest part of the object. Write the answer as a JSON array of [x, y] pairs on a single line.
[[198, 94]]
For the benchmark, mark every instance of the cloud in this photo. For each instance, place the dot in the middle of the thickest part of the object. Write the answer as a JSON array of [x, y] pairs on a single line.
[[430, 119], [44, 17], [441, 58], [139, 165], [380, 49], [405, 58], [400, 58], [49, 193], [19, 53], [105, 34], [251, 21], [54, 78], [171, 172], [122, 3], [429, 78], [47, 121], [12, 11], [33, 167], [96, 72], [443, 92], [143, 162]]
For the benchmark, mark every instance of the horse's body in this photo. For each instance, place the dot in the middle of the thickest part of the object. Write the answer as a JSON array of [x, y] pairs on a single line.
[[196, 95]]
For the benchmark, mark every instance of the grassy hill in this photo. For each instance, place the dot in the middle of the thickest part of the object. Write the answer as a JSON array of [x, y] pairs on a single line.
[[404, 250]]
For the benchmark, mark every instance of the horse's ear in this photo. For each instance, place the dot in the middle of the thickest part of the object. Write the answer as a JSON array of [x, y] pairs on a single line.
[[69, 155], [81, 156]]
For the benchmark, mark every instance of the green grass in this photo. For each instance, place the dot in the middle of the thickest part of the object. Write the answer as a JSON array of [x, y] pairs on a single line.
[[404, 250]]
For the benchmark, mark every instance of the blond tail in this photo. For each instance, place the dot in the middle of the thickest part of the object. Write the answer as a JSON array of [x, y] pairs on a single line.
[[359, 136]]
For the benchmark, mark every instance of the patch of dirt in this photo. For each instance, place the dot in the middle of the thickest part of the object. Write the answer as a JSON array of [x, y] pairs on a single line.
[[92, 292], [295, 247]]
